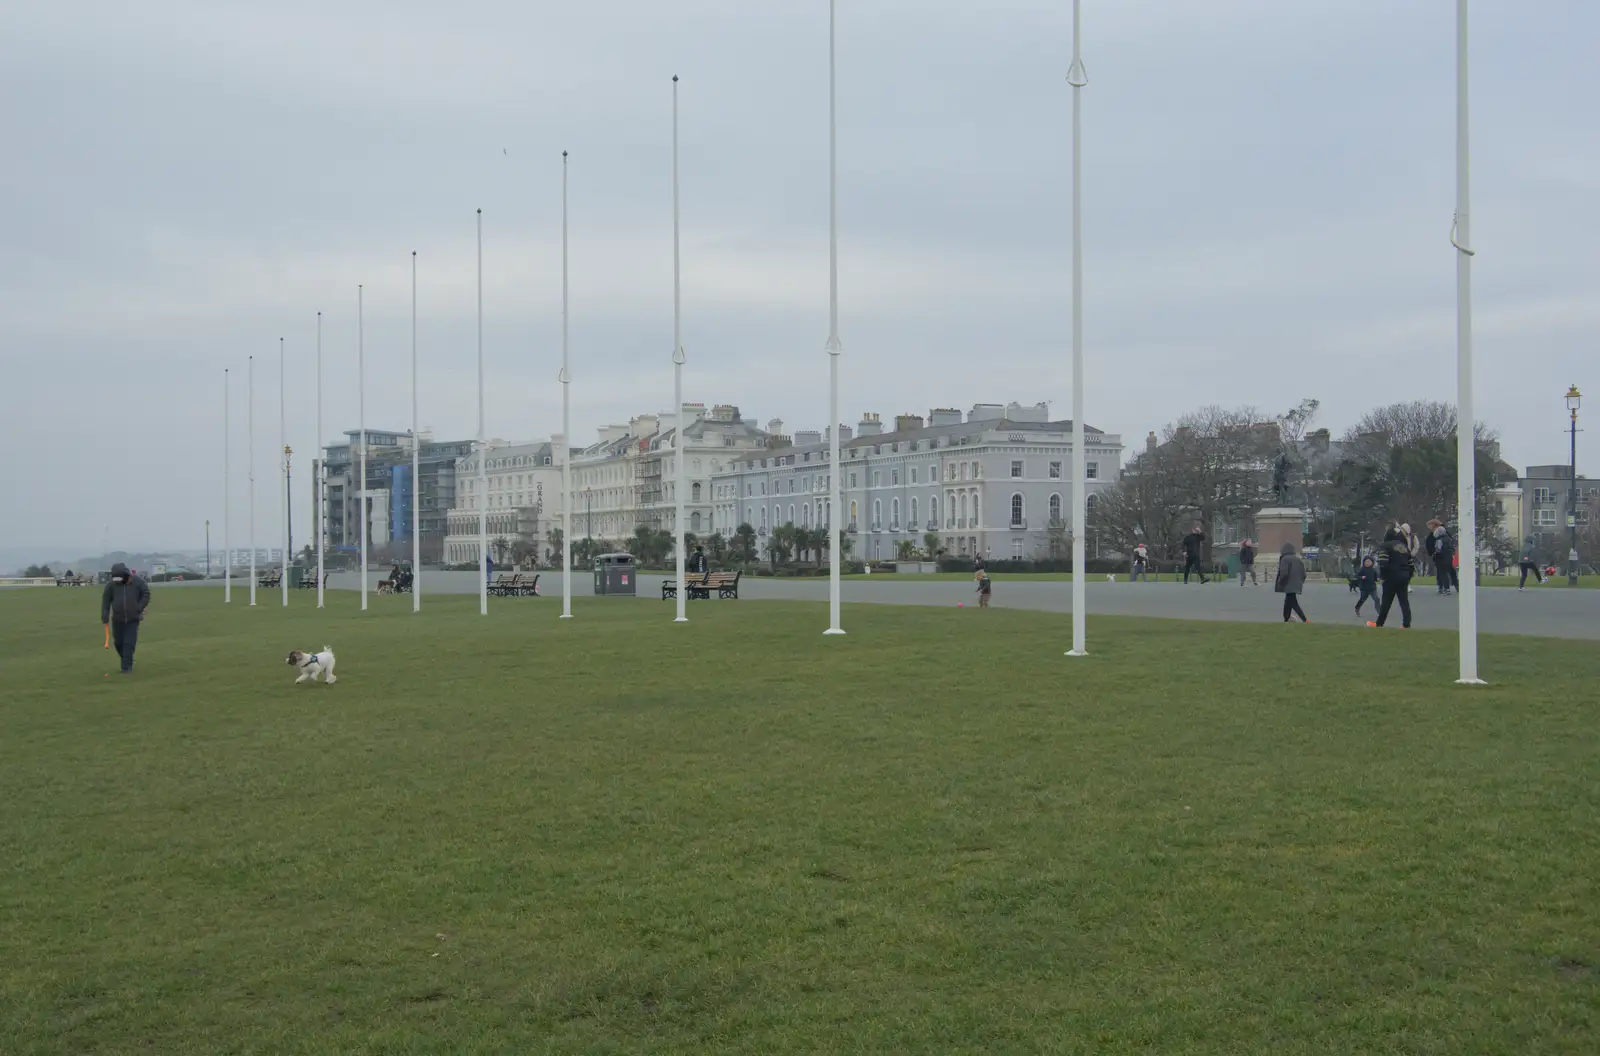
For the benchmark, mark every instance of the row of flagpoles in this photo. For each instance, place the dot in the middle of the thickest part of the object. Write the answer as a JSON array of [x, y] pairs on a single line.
[[1077, 78]]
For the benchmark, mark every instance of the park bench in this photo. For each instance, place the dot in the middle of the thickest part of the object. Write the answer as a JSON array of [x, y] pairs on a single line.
[[693, 581], [309, 581], [726, 584], [270, 578], [504, 584], [528, 588], [71, 581]]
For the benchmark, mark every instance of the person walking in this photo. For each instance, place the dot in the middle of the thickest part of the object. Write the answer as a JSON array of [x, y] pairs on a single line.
[[1528, 564], [1141, 564], [697, 561], [1394, 572], [1290, 582], [1247, 562], [1442, 552], [1367, 582], [1192, 544], [122, 608], [983, 589]]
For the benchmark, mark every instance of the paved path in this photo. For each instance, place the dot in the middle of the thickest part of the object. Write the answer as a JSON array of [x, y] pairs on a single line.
[[1554, 613]]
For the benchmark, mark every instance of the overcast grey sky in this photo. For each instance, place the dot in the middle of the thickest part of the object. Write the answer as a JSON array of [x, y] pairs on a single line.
[[1268, 192]]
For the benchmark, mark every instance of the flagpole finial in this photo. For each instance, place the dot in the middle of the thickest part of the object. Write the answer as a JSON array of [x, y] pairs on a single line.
[[674, 78]]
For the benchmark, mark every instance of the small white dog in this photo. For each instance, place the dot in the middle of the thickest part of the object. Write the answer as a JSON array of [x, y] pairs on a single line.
[[1111, 577], [313, 664]]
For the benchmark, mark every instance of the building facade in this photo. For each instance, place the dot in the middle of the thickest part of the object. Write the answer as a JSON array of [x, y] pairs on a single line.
[[390, 493], [994, 483], [522, 500], [1546, 504], [628, 477]]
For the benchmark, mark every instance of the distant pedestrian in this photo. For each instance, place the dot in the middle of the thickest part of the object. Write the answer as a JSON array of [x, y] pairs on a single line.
[[697, 561], [983, 589], [1141, 564], [1192, 546], [1291, 582], [1528, 564], [122, 608], [1394, 573], [1247, 562], [1442, 552], [1366, 581]]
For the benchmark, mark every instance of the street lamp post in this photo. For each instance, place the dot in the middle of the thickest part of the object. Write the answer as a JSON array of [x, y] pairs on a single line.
[[1574, 401]]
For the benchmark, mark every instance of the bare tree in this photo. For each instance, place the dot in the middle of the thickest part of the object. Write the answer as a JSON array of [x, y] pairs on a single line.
[[1400, 466]]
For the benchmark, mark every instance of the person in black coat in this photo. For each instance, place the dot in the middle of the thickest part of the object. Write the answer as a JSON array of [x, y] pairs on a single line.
[[697, 561], [1367, 582], [1394, 572], [1192, 544], [1442, 552], [122, 607]]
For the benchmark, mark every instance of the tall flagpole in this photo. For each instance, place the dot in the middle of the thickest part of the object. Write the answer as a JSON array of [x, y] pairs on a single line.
[[283, 447], [566, 418], [1077, 76], [322, 468], [416, 455], [483, 451], [834, 348], [227, 495], [361, 425], [250, 465], [681, 480], [1466, 448]]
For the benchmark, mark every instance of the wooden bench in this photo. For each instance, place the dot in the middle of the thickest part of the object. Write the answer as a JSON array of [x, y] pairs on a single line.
[[726, 584], [71, 581], [504, 584], [270, 579], [309, 582], [694, 582]]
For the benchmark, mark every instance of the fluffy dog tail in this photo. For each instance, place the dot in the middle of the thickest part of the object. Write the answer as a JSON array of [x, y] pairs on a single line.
[[327, 648]]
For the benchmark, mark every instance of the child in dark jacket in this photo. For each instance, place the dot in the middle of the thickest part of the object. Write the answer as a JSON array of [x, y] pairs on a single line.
[[1367, 583]]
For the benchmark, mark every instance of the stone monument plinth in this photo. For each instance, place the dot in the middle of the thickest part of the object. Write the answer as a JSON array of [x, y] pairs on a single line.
[[1275, 526]]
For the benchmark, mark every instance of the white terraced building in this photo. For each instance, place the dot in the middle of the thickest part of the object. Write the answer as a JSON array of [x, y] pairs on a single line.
[[523, 497], [628, 477], [995, 483]]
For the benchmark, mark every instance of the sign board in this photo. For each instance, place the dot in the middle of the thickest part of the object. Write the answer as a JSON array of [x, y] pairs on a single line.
[[1572, 521]]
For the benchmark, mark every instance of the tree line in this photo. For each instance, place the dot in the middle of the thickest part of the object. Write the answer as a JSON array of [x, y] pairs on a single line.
[[1218, 466]]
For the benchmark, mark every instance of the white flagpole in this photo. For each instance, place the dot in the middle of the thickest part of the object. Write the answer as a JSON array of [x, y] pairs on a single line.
[[416, 456], [227, 496], [1077, 76], [322, 468], [250, 465], [566, 418], [283, 447], [361, 425], [483, 451], [681, 480], [834, 349], [1466, 452]]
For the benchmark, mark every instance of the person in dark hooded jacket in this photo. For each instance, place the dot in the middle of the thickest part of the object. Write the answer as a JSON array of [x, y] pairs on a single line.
[[1367, 583], [123, 606], [1394, 571], [1290, 582]]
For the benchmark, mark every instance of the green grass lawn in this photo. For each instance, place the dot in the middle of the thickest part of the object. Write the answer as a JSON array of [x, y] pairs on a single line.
[[615, 834]]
